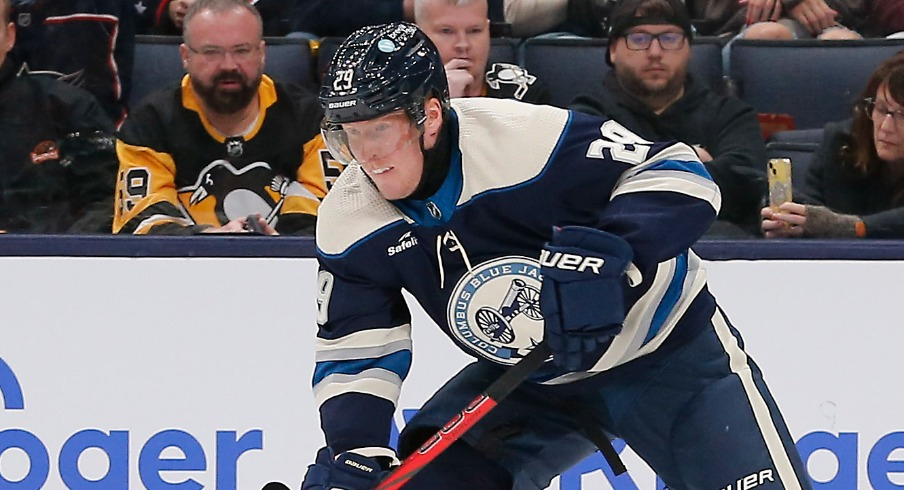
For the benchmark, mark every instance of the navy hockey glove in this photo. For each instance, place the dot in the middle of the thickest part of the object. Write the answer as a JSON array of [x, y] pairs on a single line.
[[348, 471], [582, 296]]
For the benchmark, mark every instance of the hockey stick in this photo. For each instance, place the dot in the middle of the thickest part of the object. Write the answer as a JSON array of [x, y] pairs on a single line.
[[455, 428], [476, 410]]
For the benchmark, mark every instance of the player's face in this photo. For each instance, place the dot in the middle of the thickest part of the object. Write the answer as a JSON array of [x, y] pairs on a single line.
[[888, 127], [224, 54], [388, 151], [460, 33], [657, 71]]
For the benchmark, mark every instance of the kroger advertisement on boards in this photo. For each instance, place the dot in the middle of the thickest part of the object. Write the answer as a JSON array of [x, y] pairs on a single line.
[[191, 373]]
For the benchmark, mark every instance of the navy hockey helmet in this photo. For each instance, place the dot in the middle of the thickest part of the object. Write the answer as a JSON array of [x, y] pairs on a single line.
[[381, 69]]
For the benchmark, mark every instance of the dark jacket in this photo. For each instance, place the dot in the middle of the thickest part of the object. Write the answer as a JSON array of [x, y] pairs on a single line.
[[342, 17], [87, 43], [835, 184], [145, 15], [57, 164], [726, 127], [509, 81]]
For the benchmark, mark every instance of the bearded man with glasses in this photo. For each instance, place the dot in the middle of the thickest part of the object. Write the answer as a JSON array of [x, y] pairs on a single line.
[[228, 145], [650, 92]]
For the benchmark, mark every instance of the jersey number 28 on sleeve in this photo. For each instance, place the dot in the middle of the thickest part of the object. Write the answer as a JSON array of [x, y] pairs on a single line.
[[623, 145]]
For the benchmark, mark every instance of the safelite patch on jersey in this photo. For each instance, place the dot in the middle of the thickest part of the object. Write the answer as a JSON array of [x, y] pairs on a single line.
[[495, 309]]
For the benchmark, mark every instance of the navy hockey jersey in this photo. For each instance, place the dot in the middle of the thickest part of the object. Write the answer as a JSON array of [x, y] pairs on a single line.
[[469, 253]]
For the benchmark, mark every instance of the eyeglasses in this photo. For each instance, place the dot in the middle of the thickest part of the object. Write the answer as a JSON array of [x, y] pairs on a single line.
[[216, 54], [878, 110], [641, 41]]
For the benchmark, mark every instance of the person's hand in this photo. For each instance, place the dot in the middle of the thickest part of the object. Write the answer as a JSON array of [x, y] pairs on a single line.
[[762, 10], [582, 295], [459, 77], [815, 15], [347, 471], [795, 220], [241, 225], [787, 222]]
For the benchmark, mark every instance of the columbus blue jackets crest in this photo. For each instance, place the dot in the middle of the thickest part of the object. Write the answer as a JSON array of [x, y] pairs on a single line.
[[496, 309]]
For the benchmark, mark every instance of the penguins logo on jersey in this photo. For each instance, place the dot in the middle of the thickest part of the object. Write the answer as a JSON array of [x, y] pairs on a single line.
[[508, 73], [495, 309], [238, 192]]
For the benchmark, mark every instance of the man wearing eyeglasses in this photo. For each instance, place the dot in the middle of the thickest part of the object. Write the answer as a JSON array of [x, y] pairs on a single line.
[[650, 91], [228, 145]]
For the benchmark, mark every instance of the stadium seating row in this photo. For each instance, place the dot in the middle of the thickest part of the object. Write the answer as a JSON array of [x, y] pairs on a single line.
[[813, 81]]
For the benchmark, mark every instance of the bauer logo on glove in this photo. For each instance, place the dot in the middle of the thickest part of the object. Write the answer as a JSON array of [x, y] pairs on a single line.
[[571, 262], [582, 297]]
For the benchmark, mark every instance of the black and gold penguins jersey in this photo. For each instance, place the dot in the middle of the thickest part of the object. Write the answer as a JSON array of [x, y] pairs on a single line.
[[179, 175]]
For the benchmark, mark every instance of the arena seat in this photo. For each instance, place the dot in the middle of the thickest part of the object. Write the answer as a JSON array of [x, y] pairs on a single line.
[[572, 65], [813, 81], [501, 50], [291, 60], [813, 136], [157, 63]]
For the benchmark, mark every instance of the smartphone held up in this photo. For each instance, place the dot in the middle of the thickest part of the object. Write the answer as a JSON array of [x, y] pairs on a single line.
[[779, 175]]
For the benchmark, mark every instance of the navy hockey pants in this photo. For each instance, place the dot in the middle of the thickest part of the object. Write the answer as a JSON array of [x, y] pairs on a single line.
[[698, 412]]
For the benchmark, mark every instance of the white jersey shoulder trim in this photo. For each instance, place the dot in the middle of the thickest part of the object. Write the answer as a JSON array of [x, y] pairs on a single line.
[[352, 210], [529, 134]]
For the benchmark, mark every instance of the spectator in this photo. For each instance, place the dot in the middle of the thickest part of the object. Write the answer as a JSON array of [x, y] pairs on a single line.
[[580, 17], [88, 43], [171, 13], [461, 31], [57, 165], [855, 184], [226, 143], [651, 93], [781, 19]]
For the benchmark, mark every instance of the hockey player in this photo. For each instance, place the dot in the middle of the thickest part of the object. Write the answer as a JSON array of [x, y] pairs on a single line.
[[513, 224]]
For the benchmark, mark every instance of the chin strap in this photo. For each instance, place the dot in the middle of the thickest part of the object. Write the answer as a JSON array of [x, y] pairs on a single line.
[[436, 162]]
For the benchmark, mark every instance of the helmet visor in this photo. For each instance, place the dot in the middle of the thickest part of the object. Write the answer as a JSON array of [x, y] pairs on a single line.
[[373, 140]]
